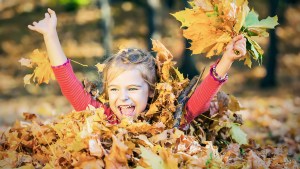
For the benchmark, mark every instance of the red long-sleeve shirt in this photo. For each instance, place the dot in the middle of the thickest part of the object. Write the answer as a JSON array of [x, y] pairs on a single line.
[[74, 91]]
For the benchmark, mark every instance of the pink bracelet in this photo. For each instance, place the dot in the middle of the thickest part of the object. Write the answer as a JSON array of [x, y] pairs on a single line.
[[215, 75]]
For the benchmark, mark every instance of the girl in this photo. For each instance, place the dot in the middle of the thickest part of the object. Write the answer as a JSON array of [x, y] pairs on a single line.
[[130, 76]]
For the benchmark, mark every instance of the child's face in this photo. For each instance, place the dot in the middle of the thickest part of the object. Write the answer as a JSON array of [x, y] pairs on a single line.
[[128, 93]]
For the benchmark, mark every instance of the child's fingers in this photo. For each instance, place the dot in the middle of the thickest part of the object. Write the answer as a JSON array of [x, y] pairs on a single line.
[[47, 16], [34, 23], [31, 27], [51, 12], [234, 41], [239, 40], [241, 49], [236, 38]]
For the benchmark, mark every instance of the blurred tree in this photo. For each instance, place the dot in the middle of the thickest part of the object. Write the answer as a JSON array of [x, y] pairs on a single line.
[[276, 7], [271, 59], [188, 66], [106, 25], [153, 10]]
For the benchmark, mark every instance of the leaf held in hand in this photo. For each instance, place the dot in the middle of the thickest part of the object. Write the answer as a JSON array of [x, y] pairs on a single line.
[[211, 25], [252, 21]]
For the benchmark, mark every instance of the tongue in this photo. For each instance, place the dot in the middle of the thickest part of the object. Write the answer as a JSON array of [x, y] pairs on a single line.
[[128, 111]]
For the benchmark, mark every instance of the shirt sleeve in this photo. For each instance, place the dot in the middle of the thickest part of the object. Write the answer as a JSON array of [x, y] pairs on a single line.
[[200, 100], [72, 88]]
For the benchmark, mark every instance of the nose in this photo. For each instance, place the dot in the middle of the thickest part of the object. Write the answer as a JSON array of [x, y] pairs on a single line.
[[123, 95]]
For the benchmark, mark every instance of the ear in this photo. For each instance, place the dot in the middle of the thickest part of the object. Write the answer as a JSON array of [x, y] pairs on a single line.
[[151, 93]]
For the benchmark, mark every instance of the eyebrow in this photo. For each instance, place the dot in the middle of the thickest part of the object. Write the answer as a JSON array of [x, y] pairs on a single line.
[[133, 85]]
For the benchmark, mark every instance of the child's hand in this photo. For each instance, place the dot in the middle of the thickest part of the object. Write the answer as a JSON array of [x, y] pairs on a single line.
[[236, 48], [46, 26]]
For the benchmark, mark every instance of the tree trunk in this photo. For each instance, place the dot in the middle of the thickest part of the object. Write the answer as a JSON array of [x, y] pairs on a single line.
[[271, 59], [188, 66], [154, 20], [106, 24]]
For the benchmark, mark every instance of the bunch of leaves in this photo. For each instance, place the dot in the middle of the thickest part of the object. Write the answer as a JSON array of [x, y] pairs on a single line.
[[42, 72], [211, 25]]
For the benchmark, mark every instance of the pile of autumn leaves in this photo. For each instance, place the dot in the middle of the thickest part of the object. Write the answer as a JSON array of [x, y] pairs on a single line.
[[213, 140], [87, 140]]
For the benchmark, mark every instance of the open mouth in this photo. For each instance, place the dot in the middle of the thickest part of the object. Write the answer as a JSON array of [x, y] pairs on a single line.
[[127, 110]]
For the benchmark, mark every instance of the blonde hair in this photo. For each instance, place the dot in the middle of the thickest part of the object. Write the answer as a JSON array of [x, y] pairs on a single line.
[[128, 59]]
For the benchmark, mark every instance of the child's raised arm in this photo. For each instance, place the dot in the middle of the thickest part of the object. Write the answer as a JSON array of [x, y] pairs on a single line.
[[70, 86], [201, 98], [234, 50], [47, 27]]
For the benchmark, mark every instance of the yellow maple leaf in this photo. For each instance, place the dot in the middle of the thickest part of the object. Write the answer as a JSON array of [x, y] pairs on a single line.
[[42, 68], [27, 79], [193, 16], [100, 67], [242, 12], [247, 59]]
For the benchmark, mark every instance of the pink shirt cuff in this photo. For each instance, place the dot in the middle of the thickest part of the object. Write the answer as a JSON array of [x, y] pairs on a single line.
[[64, 64]]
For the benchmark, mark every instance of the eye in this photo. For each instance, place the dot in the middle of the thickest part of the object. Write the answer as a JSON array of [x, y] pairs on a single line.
[[133, 89], [113, 89]]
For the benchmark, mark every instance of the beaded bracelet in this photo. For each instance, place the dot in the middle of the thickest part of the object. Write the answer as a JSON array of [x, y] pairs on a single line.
[[215, 75]]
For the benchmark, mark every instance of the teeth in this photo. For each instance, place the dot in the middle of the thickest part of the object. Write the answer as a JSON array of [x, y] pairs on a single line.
[[126, 107]]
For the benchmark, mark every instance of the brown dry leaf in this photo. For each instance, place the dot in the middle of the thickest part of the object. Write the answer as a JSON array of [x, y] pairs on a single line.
[[255, 162], [117, 156], [29, 116], [234, 104], [163, 54], [143, 127], [232, 151]]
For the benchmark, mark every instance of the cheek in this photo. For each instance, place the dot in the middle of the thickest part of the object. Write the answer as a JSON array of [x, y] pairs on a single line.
[[142, 98], [112, 96]]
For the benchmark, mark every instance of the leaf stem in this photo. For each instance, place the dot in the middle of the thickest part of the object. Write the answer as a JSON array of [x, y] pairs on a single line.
[[78, 63], [218, 120]]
